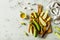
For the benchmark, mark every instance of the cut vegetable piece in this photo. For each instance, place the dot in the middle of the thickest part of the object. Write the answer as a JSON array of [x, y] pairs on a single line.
[[32, 16], [31, 29], [48, 19], [57, 34], [42, 13], [45, 15], [37, 20], [22, 23], [40, 24], [26, 33], [37, 25], [57, 28], [39, 9], [42, 21], [35, 14], [41, 32], [35, 32]]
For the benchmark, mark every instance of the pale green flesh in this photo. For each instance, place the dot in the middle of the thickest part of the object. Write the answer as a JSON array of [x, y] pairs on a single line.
[[35, 15]]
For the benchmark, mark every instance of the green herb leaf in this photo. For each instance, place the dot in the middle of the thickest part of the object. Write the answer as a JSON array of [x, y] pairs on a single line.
[[26, 33]]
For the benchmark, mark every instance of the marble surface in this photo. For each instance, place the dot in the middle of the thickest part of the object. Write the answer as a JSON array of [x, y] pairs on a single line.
[[10, 27]]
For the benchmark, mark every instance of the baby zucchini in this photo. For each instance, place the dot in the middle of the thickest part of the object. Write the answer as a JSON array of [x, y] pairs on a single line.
[[35, 14], [57, 34], [45, 15], [48, 19], [31, 30], [42, 21], [37, 25], [42, 13], [34, 31], [57, 28]]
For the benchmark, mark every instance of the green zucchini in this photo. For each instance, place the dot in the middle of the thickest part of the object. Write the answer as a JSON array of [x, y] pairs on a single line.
[[57, 28], [31, 29], [35, 32], [35, 14], [32, 16], [37, 25], [57, 34]]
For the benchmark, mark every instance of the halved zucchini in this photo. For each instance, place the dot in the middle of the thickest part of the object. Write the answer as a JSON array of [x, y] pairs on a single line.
[[42, 21], [48, 19], [34, 31], [35, 14], [45, 15], [32, 16], [37, 25], [31, 29], [42, 13], [57, 28], [57, 34]]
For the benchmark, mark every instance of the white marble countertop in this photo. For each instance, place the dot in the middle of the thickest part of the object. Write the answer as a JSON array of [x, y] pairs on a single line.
[[10, 27]]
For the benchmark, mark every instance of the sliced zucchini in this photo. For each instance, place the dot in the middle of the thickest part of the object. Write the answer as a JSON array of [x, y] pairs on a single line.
[[35, 14], [45, 15], [48, 19], [35, 32], [42, 21], [26, 33], [57, 28], [31, 30], [31, 16], [37, 25], [42, 13], [57, 34]]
